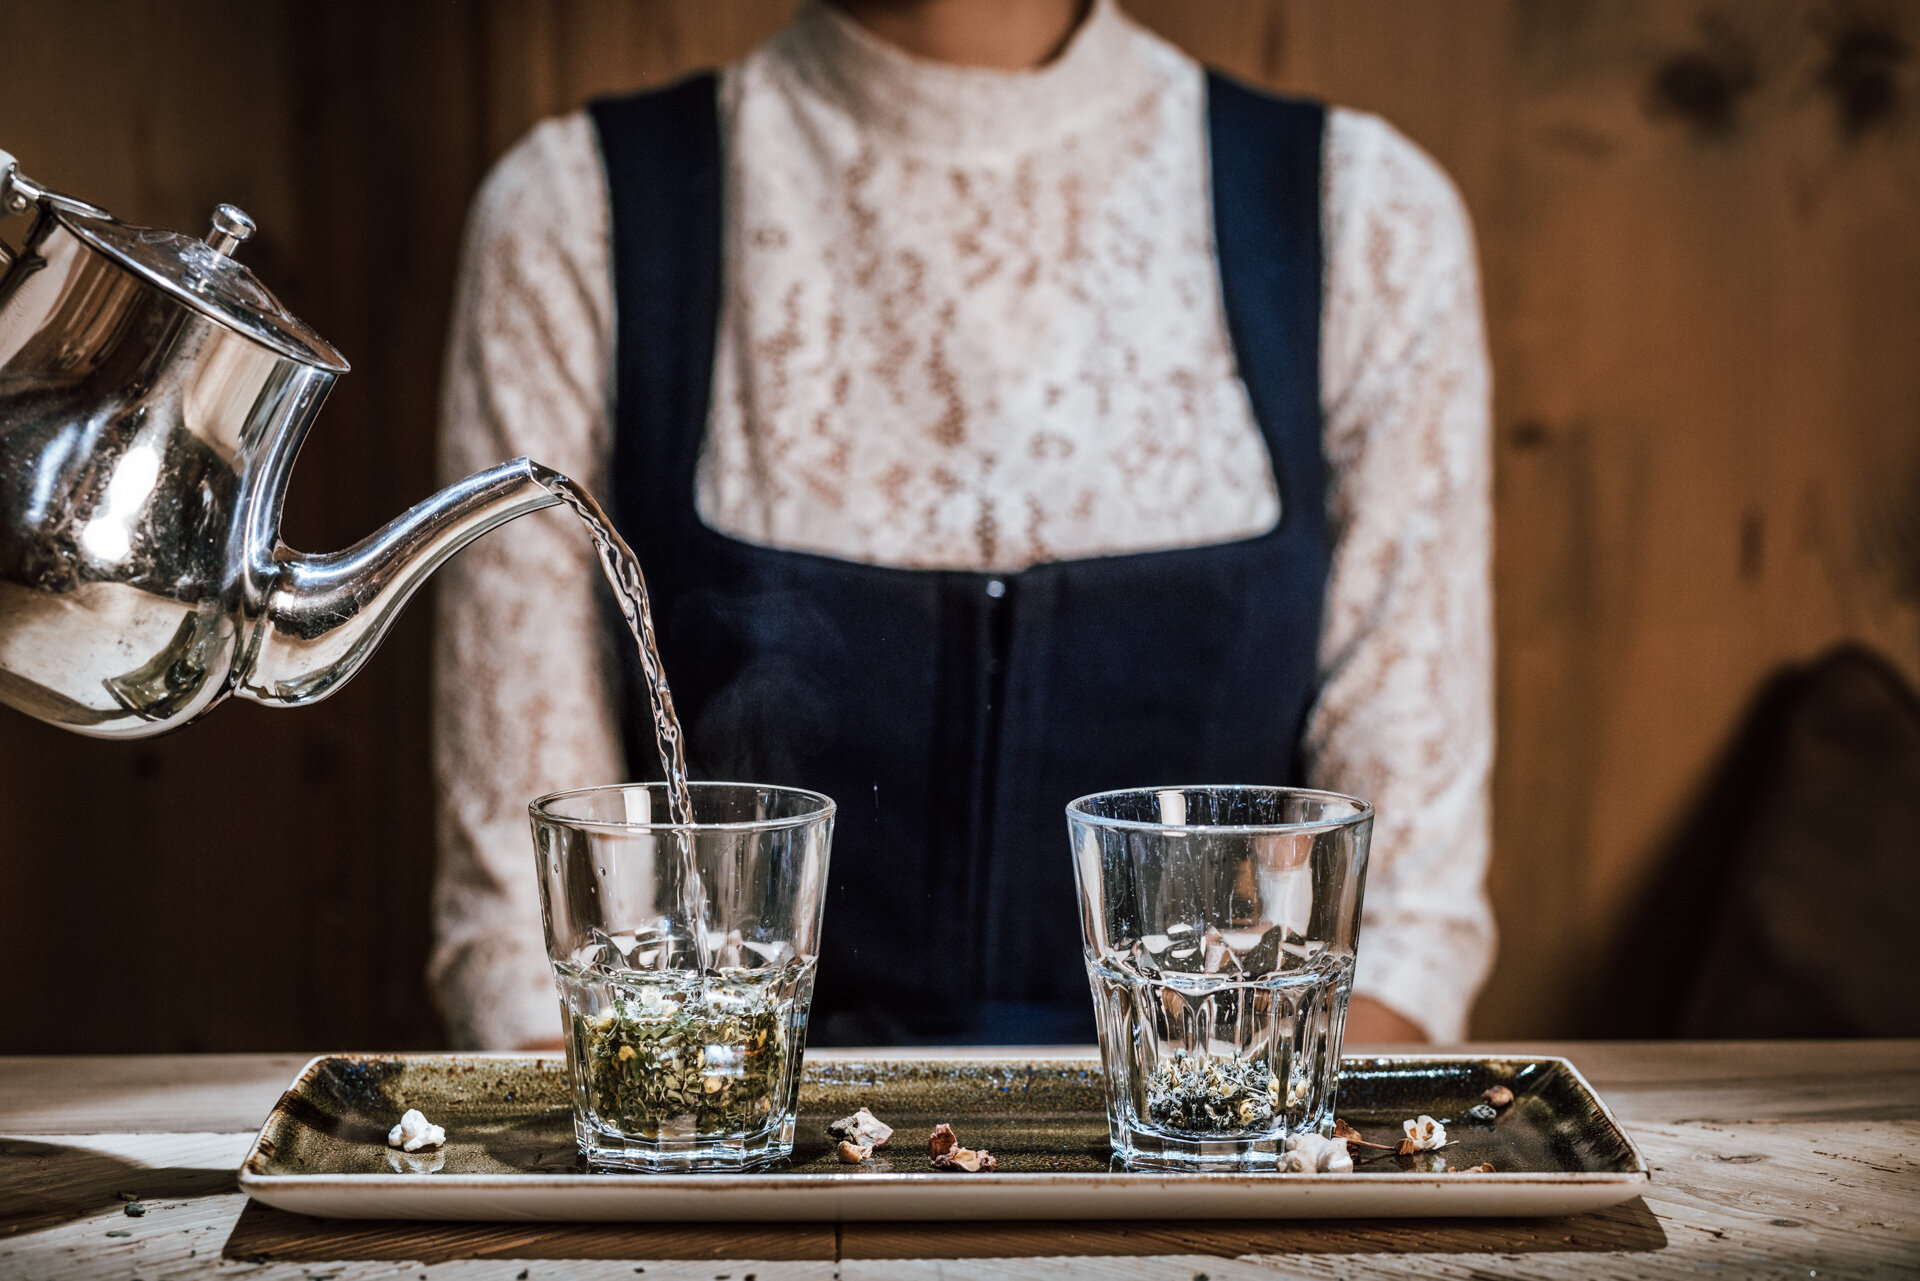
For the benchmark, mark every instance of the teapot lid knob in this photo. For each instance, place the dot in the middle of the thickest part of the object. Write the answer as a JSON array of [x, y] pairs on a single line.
[[230, 227]]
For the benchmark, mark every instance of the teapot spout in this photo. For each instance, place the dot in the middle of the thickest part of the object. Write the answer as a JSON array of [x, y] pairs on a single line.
[[327, 614]]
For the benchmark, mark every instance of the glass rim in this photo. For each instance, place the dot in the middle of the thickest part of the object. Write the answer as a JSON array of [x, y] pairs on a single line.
[[1077, 813], [537, 809]]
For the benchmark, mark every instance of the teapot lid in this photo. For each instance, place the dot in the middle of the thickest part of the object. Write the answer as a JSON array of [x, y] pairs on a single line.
[[203, 275]]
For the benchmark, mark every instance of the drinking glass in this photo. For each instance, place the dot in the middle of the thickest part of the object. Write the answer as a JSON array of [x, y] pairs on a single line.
[[684, 955], [1219, 926]]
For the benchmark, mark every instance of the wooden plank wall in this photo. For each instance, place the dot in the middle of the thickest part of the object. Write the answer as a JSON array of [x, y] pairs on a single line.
[[1697, 226]]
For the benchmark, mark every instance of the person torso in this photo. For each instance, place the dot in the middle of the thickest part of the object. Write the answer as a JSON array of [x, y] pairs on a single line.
[[952, 712], [971, 320]]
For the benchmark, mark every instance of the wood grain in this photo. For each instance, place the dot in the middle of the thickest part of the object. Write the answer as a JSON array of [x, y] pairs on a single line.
[[142, 1093], [1703, 292]]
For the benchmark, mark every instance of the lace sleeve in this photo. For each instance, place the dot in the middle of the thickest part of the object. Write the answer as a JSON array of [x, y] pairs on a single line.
[[1405, 713], [520, 691]]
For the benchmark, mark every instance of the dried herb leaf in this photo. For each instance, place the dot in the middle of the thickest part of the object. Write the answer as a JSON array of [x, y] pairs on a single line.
[[1200, 1094], [677, 1053]]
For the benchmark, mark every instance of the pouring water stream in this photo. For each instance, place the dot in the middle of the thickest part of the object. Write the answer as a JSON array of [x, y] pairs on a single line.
[[629, 586]]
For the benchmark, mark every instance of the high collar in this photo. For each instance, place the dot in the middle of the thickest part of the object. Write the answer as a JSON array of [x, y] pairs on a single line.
[[951, 109]]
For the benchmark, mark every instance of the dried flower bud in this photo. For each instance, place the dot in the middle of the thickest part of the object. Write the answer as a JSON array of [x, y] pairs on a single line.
[[945, 1153], [852, 1153], [1485, 1167], [863, 1128], [1343, 1130], [1425, 1134], [1500, 1096], [972, 1160], [1483, 1112]]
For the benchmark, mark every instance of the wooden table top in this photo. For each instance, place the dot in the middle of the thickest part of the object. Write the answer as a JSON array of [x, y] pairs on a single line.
[[1780, 1159]]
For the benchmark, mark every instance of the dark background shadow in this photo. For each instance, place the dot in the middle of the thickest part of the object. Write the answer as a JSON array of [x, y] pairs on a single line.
[[45, 1184], [1782, 904]]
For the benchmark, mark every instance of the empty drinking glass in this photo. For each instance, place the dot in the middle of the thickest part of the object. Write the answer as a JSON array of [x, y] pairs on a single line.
[[1219, 926], [684, 955]]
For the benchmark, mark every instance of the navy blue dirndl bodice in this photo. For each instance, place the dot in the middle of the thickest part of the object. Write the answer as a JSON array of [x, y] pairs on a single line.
[[953, 715]]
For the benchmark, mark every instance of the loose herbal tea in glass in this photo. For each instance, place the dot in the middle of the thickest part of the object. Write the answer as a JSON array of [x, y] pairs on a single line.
[[686, 1020], [1219, 926], [671, 1055]]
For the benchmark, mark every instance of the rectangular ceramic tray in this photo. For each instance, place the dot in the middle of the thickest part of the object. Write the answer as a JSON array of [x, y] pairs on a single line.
[[510, 1150]]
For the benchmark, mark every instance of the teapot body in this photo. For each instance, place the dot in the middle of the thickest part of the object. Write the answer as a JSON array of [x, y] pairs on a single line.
[[153, 397], [144, 451]]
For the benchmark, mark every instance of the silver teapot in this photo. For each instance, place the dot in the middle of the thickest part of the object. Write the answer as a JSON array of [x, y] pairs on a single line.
[[153, 397]]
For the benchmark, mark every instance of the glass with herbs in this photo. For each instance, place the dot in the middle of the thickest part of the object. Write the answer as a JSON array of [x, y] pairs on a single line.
[[1219, 926], [684, 954]]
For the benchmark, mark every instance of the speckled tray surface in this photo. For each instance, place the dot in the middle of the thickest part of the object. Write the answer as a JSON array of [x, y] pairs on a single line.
[[510, 1150]]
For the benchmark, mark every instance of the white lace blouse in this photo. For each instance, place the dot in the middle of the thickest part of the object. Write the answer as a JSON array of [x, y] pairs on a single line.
[[972, 320]]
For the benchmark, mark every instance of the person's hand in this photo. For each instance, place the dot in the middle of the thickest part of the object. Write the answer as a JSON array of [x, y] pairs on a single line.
[[1370, 1022]]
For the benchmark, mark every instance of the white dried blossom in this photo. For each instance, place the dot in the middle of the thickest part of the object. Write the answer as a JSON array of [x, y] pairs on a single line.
[[415, 1132], [1316, 1154], [1425, 1134]]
